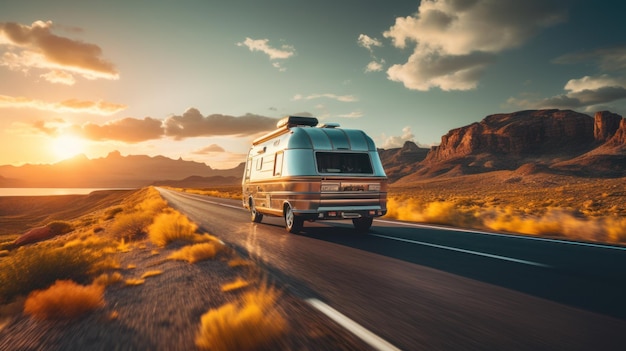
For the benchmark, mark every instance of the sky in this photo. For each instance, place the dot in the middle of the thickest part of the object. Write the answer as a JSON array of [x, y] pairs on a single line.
[[200, 79]]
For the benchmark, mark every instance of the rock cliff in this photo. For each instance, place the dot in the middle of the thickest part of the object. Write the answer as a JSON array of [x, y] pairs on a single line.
[[555, 141], [518, 134]]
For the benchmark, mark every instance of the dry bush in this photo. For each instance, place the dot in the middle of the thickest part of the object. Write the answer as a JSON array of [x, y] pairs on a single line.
[[38, 266], [616, 229], [149, 274], [172, 226], [440, 212], [555, 222], [131, 226], [198, 252], [134, 281], [251, 324], [236, 285], [106, 279], [153, 204], [111, 212], [65, 299]]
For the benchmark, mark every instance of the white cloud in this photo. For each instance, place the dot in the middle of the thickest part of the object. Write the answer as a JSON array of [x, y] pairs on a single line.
[[456, 40], [342, 98], [589, 93], [398, 141], [73, 106], [36, 47], [282, 53], [374, 66], [368, 43], [353, 114]]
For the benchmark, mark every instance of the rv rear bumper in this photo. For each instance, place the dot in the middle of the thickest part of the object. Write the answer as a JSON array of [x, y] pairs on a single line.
[[344, 212]]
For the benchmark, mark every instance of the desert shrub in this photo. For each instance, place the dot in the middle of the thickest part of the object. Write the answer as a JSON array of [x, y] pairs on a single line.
[[153, 273], [152, 204], [172, 226], [439, 212], [38, 266], [236, 285], [131, 226], [106, 279], [616, 229], [198, 252], [60, 227], [110, 213], [555, 222], [64, 300], [250, 324], [134, 281]]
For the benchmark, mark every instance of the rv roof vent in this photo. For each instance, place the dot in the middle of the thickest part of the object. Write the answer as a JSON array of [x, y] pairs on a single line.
[[330, 125], [292, 121]]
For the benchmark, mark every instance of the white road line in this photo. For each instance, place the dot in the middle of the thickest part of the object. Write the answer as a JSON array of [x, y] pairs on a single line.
[[514, 236], [462, 250], [367, 336]]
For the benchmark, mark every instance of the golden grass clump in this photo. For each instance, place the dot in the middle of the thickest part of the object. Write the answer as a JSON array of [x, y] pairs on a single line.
[[251, 324], [38, 266], [198, 252], [172, 226], [236, 285], [153, 273], [134, 281], [106, 279], [65, 299], [132, 225]]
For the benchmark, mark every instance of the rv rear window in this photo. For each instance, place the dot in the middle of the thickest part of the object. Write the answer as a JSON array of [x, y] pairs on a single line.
[[343, 162]]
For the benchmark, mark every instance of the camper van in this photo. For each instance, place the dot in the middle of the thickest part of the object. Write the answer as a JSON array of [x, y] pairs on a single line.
[[303, 171]]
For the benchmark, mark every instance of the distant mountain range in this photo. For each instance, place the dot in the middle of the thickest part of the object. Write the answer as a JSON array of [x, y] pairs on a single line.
[[113, 171], [551, 141]]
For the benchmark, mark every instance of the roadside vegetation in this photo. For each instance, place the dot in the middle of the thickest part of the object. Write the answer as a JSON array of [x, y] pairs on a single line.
[[66, 276], [578, 209]]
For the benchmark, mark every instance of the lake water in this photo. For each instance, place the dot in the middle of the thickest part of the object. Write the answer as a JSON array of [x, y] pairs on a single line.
[[50, 191]]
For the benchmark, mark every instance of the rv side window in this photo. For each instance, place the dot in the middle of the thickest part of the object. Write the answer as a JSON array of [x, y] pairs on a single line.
[[248, 168], [343, 162], [259, 163], [278, 164]]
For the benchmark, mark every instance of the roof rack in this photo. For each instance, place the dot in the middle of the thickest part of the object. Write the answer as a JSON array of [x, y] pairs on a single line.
[[293, 121]]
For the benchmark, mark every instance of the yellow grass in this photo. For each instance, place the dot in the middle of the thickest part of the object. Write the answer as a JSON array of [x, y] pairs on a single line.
[[536, 218], [236, 285], [106, 279], [134, 281], [239, 262], [65, 299], [131, 226], [37, 266], [153, 273], [198, 252], [170, 227], [251, 324]]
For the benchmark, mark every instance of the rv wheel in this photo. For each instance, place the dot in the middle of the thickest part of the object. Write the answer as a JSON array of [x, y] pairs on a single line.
[[363, 224], [254, 215], [293, 223]]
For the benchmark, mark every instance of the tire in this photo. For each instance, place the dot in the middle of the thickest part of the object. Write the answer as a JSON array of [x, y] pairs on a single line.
[[363, 224], [293, 223], [255, 216]]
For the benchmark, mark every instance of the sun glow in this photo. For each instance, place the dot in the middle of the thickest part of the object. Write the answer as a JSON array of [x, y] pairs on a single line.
[[67, 146]]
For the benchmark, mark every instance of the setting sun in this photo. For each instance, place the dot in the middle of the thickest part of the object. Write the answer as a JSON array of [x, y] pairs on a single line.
[[66, 146]]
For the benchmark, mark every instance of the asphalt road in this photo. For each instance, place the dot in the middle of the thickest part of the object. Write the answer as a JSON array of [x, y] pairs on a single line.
[[431, 288]]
